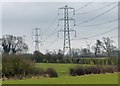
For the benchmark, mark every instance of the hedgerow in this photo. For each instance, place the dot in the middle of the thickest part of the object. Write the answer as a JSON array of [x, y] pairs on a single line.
[[85, 70]]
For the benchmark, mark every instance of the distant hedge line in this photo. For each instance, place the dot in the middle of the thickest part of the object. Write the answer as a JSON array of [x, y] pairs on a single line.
[[95, 61], [59, 58]]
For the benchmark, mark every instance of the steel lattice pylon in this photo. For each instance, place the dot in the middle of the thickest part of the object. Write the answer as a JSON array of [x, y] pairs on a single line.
[[37, 38], [66, 29]]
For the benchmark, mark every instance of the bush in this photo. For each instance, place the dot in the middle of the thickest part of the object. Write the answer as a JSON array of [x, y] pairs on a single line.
[[15, 65], [19, 66], [96, 70], [80, 70], [77, 71], [51, 72], [111, 69], [37, 72], [88, 70], [72, 72]]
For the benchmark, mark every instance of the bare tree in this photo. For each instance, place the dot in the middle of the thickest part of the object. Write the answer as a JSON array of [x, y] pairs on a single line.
[[97, 47], [13, 44], [106, 45]]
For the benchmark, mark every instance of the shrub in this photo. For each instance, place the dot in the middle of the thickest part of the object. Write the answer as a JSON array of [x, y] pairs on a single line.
[[19, 66], [72, 72], [51, 72], [95, 70], [77, 71], [37, 71], [111, 69], [80, 70], [88, 70]]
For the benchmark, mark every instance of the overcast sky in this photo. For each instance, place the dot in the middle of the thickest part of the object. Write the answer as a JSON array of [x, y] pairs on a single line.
[[20, 18]]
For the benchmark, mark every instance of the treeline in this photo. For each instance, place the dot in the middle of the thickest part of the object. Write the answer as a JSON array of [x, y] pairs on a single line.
[[59, 58]]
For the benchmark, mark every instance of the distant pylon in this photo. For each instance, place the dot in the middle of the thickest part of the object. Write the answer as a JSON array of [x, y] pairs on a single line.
[[37, 38], [66, 29]]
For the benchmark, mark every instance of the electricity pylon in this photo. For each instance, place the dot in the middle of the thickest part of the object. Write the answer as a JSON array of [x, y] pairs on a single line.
[[37, 38], [66, 28]]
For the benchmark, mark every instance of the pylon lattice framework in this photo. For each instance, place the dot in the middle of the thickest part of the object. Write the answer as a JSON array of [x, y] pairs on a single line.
[[37, 38], [66, 29]]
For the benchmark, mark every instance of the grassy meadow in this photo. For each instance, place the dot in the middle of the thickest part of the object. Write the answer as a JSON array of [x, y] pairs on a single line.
[[62, 69], [87, 79], [64, 78]]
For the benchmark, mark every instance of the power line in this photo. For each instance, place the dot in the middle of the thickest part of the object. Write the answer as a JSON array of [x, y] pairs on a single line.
[[98, 34], [97, 16], [96, 9], [81, 7], [84, 6], [92, 25], [55, 40], [50, 25], [97, 38], [51, 33], [102, 33]]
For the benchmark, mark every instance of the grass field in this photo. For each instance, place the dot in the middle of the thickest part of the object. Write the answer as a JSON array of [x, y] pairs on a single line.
[[87, 79], [64, 78], [62, 69]]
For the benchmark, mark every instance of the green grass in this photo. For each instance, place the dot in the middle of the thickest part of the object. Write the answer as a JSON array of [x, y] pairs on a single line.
[[64, 78], [62, 69], [87, 79]]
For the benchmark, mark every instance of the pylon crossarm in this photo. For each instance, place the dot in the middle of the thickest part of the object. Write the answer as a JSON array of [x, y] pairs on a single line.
[[60, 9]]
